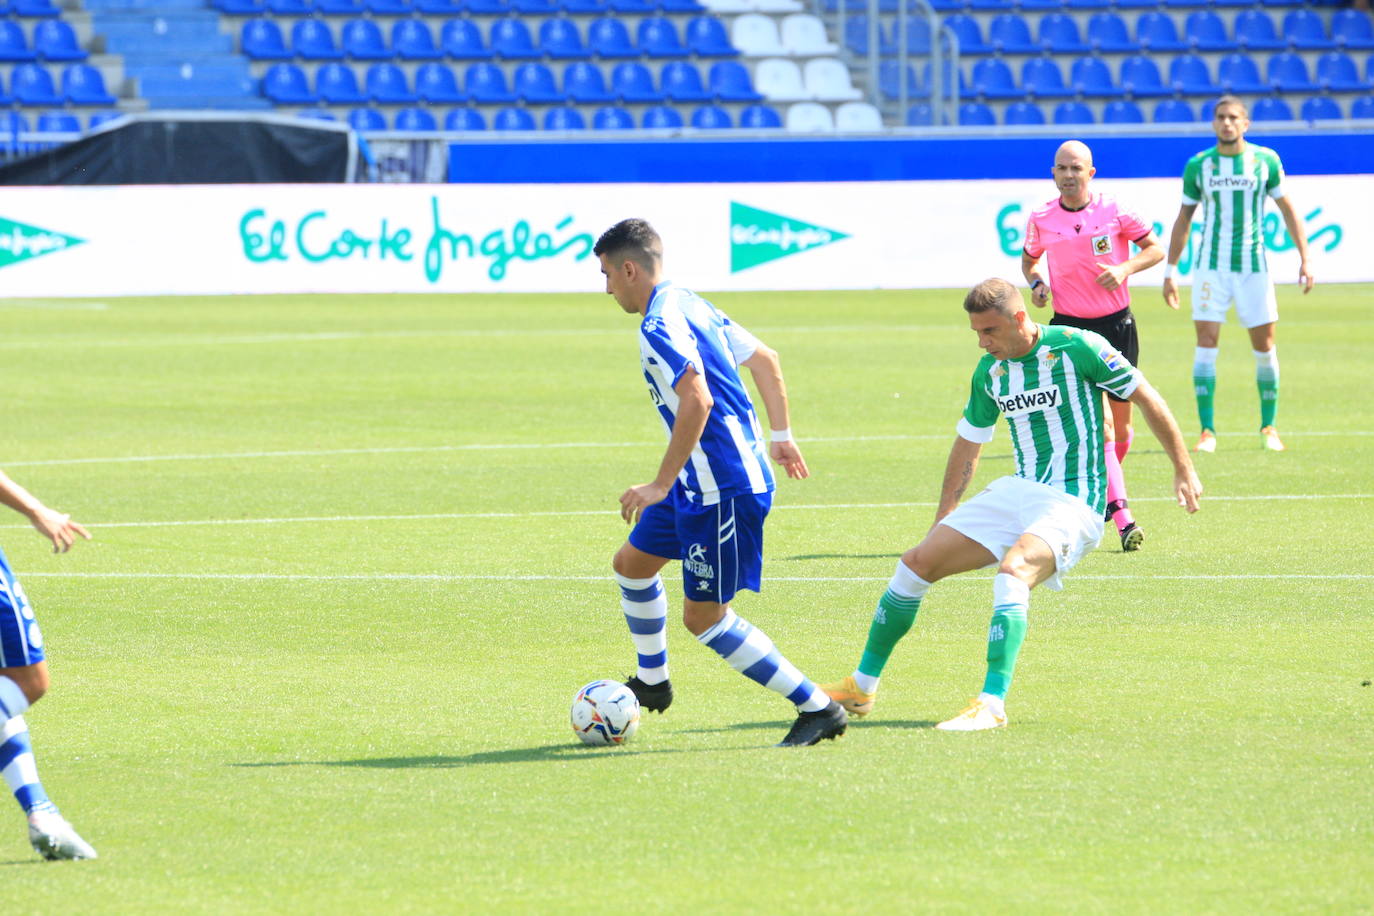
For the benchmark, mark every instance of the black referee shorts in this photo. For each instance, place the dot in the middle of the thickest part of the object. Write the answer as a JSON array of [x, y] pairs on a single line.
[[1118, 328]]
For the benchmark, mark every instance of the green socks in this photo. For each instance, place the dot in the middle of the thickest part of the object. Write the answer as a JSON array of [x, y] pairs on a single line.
[[1267, 379], [1205, 384], [894, 617], [1010, 601]]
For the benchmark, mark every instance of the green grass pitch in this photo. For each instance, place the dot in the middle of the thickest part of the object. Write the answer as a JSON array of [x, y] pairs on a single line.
[[352, 561]]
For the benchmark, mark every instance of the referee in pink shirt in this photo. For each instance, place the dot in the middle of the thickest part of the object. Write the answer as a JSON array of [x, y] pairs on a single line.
[[1086, 239]]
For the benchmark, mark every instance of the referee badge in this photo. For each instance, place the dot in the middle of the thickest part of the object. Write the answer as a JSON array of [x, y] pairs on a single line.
[[1102, 244]]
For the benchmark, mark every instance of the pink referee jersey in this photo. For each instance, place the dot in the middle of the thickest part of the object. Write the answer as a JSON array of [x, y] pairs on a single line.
[[1076, 241]]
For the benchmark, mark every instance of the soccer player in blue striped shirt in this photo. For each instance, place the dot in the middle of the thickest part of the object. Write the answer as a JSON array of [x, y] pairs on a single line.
[[707, 503]]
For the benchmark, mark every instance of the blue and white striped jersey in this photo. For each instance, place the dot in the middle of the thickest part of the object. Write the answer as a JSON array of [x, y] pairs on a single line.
[[680, 329]]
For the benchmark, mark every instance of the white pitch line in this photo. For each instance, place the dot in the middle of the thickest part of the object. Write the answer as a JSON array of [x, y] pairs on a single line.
[[450, 577]]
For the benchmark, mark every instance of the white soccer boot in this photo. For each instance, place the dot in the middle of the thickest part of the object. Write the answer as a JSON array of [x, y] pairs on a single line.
[[54, 838]]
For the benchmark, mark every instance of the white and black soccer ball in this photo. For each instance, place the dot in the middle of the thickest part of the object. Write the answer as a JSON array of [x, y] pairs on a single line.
[[605, 713]]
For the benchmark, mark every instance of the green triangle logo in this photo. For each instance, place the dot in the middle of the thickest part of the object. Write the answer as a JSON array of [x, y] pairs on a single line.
[[20, 241], [757, 236]]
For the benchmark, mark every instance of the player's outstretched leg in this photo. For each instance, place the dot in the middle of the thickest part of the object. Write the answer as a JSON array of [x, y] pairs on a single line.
[[1205, 389], [646, 612], [49, 832], [893, 619], [1010, 602]]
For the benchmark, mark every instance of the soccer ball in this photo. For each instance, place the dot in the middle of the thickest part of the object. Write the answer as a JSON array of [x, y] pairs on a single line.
[[604, 713]]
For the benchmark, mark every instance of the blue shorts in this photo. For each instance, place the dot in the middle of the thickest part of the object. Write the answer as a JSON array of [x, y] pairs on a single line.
[[21, 642], [720, 546]]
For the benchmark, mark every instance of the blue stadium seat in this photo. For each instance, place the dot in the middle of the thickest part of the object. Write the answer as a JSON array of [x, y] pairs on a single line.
[[1137, 4], [32, 84], [917, 35], [490, 8], [415, 119], [1087, 4], [1287, 72], [920, 115], [1157, 34], [1336, 72], [286, 84], [992, 79], [513, 119], [856, 36], [1305, 30], [612, 117], [1091, 77], [970, 35], [1270, 108], [1190, 75], [54, 39], [1238, 73], [312, 40], [337, 84], [1041, 78], [1023, 113], [1009, 34], [1059, 35], [711, 117], [290, 7], [58, 122], [632, 7], [1321, 108], [585, 84], [1073, 113], [261, 39], [681, 6], [564, 119], [889, 81], [535, 7], [633, 83], [361, 119], [1140, 77], [1119, 112], [1107, 34], [976, 114], [1352, 30], [443, 8], [730, 82], [14, 45], [411, 39], [464, 119], [1255, 32], [559, 39], [1038, 7], [660, 116], [389, 7], [339, 7], [1206, 31], [387, 84], [436, 84], [1173, 111], [991, 6], [658, 38], [313, 114], [229, 7], [511, 39], [535, 84], [31, 8], [486, 83], [460, 39], [706, 36], [681, 82], [103, 117], [82, 84], [362, 40], [584, 7], [1362, 108], [760, 116], [608, 37]]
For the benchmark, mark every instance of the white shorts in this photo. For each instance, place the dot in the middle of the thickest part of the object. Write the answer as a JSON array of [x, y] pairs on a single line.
[[1013, 506], [1214, 291]]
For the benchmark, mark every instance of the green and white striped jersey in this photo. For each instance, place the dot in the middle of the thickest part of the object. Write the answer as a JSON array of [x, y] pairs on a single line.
[[1053, 408], [1231, 190]]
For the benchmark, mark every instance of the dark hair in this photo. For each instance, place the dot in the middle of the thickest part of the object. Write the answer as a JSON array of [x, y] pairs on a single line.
[[1229, 99], [633, 239], [993, 295]]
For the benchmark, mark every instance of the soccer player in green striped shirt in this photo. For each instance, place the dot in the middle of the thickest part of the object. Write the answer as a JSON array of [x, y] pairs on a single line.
[[1033, 525], [1230, 181]]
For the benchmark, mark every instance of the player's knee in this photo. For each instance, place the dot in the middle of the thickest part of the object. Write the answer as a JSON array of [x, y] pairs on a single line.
[[1015, 564], [33, 681], [700, 616], [919, 560]]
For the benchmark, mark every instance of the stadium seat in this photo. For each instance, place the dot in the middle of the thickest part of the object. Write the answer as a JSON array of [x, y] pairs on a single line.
[[756, 35], [760, 116], [585, 7], [920, 115], [1287, 72], [535, 84], [1270, 108], [1336, 72], [261, 39], [711, 117], [660, 117], [312, 40], [1008, 33], [491, 8], [58, 122], [681, 6], [1018, 113], [485, 83], [559, 39], [658, 37], [681, 82], [388, 7], [513, 119], [707, 37], [584, 84], [1041, 78], [1321, 108], [1058, 34], [31, 84], [411, 39], [1352, 30], [441, 8], [1092, 78], [32, 8], [387, 84], [54, 39], [632, 7], [917, 39], [889, 81], [968, 33], [82, 84], [992, 79], [976, 114], [857, 117], [991, 6], [229, 7], [729, 81], [1189, 74], [362, 40], [1140, 78], [608, 37], [1107, 34], [415, 119], [461, 119], [337, 84], [1305, 31], [1073, 113], [535, 7], [460, 39], [1157, 34], [362, 119], [437, 85], [14, 45], [1173, 111], [612, 117], [633, 83], [339, 7], [1087, 4], [564, 119], [511, 39], [809, 118], [315, 114], [780, 80], [856, 36], [1205, 31], [1237, 73], [290, 7], [1255, 32], [1038, 7], [803, 34], [286, 84], [827, 79], [1362, 108], [1122, 112]]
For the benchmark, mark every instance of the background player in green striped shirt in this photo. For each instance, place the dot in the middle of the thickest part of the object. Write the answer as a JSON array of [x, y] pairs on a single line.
[[1231, 181], [1036, 524]]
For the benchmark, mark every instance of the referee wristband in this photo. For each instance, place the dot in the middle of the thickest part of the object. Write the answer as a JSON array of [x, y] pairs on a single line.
[[1168, 271], [780, 435], [1037, 284]]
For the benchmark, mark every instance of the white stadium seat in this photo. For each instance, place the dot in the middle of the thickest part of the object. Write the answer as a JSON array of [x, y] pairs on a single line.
[[804, 35], [858, 118], [728, 6], [780, 80], [756, 35], [827, 79], [809, 118]]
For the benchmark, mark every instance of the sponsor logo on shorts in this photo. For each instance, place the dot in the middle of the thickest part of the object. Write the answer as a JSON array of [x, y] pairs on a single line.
[[1037, 399], [696, 563], [1102, 244]]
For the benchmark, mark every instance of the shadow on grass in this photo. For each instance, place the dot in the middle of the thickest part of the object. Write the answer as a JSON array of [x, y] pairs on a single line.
[[558, 752]]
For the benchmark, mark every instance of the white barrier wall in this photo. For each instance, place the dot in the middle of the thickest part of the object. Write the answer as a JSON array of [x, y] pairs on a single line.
[[76, 241]]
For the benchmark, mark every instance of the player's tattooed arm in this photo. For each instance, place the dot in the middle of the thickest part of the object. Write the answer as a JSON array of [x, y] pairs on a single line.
[[959, 471]]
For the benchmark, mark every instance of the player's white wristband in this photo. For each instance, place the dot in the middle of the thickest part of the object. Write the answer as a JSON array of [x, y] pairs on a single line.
[[1168, 271], [780, 435]]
